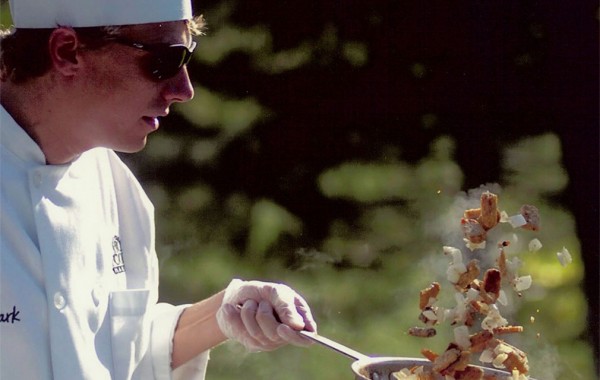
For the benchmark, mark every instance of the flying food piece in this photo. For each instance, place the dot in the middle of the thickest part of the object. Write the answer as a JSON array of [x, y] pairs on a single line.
[[532, 217], [477, 222]]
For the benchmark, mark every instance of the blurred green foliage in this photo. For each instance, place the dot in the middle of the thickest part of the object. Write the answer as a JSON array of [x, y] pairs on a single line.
[[5, 19], [391, 251]]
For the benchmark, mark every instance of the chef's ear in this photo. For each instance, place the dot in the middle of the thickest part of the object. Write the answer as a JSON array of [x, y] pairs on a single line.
[[63, 46]]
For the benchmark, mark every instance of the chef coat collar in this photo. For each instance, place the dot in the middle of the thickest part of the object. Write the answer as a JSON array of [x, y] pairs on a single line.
[[14, 138]]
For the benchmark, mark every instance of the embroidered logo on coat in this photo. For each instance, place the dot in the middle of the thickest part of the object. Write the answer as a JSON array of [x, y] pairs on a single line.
[[118, 266]]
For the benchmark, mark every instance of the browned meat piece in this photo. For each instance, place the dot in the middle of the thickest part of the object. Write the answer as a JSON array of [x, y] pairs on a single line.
[[508, 330], [461, 364], [429, 355], [473, 231], [490, 216], [469, 276], [492, 281], [426, 294], [480, 307], [445, 360], [452, 360], [422, 332], [501, 262], [480, 340], [472, 213]]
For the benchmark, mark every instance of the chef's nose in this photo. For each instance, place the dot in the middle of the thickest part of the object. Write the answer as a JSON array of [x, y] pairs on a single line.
[[178, 88]]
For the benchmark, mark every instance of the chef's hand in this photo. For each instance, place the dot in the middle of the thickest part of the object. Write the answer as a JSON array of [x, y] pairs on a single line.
[[264, 316]]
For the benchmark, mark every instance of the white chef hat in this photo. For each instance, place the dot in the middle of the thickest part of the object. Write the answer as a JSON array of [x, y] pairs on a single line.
[[83, 13]]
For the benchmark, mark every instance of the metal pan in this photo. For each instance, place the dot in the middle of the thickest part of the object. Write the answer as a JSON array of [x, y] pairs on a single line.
[[381, 368]]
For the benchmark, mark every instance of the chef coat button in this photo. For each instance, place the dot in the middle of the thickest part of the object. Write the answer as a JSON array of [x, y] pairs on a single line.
[[37, 179], [74, 172], [59, 301]]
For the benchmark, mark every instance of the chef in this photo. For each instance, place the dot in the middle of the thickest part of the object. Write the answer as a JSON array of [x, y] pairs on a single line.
[[81, 79]]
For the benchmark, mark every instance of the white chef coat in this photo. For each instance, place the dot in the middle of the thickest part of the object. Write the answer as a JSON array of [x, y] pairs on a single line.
[[78, 270]]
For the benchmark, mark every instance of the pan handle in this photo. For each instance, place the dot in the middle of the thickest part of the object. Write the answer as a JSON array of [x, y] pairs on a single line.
[[333, 345]]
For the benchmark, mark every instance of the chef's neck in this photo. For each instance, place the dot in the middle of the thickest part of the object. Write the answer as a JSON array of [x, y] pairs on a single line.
[[36, 106]]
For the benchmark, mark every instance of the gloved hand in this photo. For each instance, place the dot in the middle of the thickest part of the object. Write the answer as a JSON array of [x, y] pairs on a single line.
[[264, 316]]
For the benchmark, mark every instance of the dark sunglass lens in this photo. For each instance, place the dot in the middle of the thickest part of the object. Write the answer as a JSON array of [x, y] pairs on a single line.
[[163, 61], [166, 63]]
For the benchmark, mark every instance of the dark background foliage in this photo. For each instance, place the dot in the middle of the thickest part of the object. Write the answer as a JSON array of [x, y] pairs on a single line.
[[489, 73], [485, 73]]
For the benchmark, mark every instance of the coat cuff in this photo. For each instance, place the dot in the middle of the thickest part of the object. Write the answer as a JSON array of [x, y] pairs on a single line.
[[163, 330]]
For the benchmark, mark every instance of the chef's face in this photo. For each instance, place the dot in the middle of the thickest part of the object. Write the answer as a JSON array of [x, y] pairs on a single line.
[[132, 82]]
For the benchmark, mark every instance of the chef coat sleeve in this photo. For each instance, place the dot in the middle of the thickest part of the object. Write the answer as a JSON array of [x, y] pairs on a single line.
[[163, 330]]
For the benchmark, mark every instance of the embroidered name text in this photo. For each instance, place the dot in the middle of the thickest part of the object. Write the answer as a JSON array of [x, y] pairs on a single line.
[[10, 317]]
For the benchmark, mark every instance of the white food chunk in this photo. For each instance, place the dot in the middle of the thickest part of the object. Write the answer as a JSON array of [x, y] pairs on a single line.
[[454, 271], [455, 253], [486, 356], [499, 360], [430, 314], [535, 245], [493, 320], [517, 221], [404, 373], [472, 294], [517, 376], [473, 246], [564, 256], [461, 337], [502, 349], [460, 311], [522, 283]]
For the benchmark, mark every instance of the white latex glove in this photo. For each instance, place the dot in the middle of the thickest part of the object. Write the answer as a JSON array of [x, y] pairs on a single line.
[[264, 316]]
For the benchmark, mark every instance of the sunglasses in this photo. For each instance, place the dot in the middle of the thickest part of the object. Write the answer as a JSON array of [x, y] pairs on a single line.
[[164, 61]]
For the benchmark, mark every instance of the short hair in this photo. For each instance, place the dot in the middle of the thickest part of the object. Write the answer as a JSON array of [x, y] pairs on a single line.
[[24, 52]]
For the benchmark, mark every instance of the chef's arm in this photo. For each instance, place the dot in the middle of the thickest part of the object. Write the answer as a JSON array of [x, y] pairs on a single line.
[[197, 330]]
